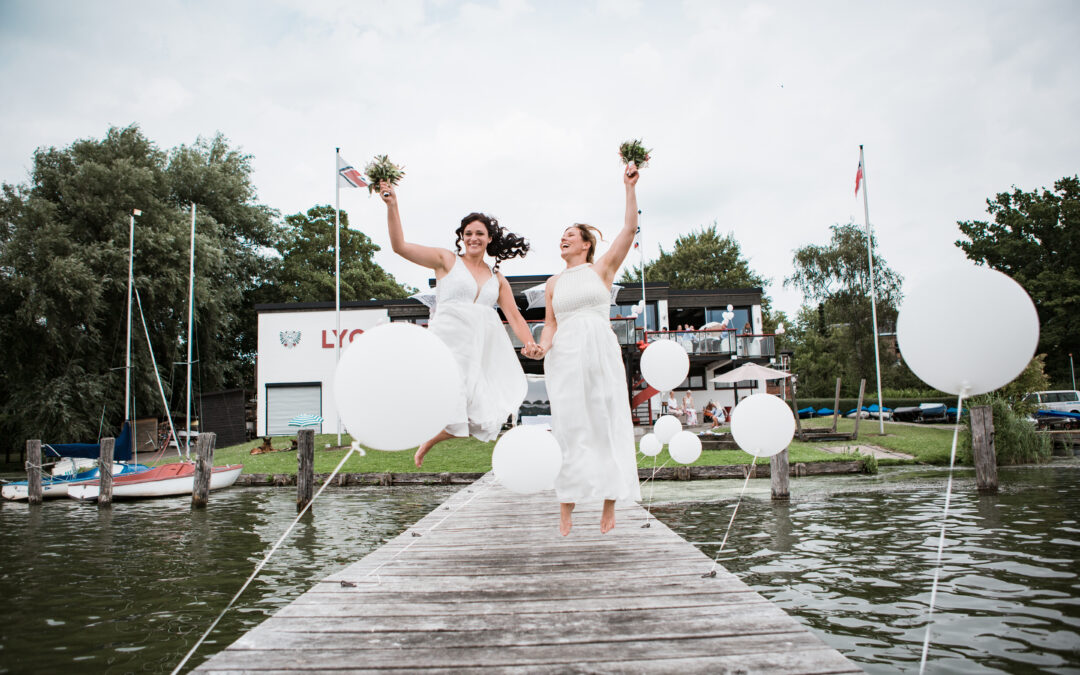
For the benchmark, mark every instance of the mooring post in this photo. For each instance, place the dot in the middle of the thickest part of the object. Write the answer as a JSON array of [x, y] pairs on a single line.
[[778, 472], [33, 471], [982, 447], [836, 406], [105, 482], [858, 409], [204, 468], [305, 469]]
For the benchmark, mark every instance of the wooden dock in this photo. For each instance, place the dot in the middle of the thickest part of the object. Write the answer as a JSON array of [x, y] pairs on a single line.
[[486, 583]]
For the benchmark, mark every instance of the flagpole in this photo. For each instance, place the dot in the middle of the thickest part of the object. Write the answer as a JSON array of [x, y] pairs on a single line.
[[644, 307], [873, 291], [337, 273]]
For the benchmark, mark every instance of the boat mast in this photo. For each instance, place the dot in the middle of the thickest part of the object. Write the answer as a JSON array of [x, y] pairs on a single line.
[[131, 281], [190, 321]]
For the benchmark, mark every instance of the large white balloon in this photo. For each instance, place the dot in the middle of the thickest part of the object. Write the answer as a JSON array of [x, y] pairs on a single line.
[[685, 447], [379, 386], [527, 459], [664, 364], [666, 427], [762, 425], [967, 330], [650, 445]]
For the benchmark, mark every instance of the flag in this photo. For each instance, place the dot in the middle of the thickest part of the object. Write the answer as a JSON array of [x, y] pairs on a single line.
[[858, 177], [347, 176], [637, 237]]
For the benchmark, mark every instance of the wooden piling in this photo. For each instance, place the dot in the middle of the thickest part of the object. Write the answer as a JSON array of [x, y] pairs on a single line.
[[33, 472], [305, 469], [204, 468], [858, 409], [105, 459], [778, 473], [982, 445], [836, 406]]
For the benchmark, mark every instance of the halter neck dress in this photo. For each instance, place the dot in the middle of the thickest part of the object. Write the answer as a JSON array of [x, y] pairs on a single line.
[[590, 404], [492, 380]]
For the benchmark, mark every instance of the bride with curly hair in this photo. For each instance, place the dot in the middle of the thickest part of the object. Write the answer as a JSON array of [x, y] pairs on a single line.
[[464, 317]]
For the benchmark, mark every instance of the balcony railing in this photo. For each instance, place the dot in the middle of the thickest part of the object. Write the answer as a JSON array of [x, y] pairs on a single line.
[[723, 342], [624, 329]]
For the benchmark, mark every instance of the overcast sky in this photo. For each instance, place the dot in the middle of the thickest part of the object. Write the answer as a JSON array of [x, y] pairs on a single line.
[[755, 110]]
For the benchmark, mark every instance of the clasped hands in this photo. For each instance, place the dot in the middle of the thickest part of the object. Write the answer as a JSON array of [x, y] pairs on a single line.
[[533, 350]]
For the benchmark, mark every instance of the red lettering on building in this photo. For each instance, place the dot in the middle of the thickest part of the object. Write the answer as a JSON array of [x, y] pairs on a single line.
[[328, 344]]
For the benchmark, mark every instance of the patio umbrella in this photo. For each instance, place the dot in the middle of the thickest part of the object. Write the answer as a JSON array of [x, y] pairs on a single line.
[[306, 420], [751, 371]]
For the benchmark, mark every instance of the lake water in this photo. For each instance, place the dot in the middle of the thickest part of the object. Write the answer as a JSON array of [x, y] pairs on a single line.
[[132, 588]]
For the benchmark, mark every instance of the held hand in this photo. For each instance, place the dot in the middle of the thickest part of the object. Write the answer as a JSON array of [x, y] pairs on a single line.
[[386, 191], [631, 175]]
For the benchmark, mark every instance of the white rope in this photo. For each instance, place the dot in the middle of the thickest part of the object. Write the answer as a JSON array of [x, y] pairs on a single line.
[[355, 447], [749, 472], [648, 510], [941, 540]]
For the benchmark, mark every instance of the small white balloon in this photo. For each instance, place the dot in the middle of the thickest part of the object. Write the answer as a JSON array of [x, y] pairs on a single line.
[[729, 308], [375, 388], [779, 329], [685, 447], [526, 459], [650, 445], [664, 364], [762, 425], [952, 335], [666, 427]]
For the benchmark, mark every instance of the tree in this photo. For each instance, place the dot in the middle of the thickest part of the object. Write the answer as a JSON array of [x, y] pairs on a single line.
[[305, 272], [63, 278], [1035, 239], [837, 338]]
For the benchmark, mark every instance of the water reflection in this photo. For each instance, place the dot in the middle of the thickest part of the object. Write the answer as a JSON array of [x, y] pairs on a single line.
[[856, 566], [131, 588]]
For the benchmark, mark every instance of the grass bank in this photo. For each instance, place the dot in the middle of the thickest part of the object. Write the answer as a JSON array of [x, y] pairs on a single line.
[[466, 455]]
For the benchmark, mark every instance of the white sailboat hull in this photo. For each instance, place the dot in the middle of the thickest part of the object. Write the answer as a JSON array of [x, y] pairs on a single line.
[[152, 486]]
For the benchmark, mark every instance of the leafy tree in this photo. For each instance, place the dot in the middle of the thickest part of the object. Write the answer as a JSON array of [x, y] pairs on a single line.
[[63, 277], [702, 259], [1035, 239], [305, 272], [837, 339]]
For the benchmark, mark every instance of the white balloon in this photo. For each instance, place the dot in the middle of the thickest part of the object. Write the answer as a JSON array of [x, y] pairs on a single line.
[[685, 447], [376, 386], [729, 308], [527, 459], [650, 445], [762, 425], [967, 330], [664, 364], [666, 427]]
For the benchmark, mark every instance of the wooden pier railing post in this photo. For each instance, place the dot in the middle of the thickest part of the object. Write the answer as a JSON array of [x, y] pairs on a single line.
[[33, 471], [105, 481], [204, 467], [982, 447], [305, 469], [778, 473]]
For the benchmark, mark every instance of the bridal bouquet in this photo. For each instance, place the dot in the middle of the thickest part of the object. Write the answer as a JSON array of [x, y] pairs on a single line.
[[382, 169], [634, 151]]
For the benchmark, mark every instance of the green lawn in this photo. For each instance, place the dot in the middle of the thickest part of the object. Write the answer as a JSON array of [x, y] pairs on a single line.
[[467, 455]]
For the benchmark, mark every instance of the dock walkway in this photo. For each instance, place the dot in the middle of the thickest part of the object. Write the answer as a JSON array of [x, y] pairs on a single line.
[[486, 583]]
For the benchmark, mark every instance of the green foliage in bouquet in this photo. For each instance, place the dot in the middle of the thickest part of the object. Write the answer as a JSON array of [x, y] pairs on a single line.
[[382, 169], [634, 151]]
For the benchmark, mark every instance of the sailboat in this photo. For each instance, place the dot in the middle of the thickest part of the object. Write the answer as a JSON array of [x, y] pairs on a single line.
[[176, 478]]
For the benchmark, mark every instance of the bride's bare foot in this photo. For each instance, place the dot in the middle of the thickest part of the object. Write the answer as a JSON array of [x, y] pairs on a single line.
[[607, 518], [426, 447], [565, 511]]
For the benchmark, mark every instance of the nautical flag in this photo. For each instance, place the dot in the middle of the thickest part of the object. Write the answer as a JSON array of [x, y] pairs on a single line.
[[347, 176], [637, 237], [858, 177]]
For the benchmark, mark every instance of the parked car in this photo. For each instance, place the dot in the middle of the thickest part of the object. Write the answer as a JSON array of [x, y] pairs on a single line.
[[1063, 400]]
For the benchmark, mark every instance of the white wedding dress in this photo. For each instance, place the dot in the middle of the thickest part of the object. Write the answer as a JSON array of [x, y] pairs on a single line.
[[586, 383], [493, 383]]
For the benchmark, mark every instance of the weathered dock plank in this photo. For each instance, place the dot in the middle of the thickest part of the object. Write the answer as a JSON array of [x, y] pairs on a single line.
[[486, 583]]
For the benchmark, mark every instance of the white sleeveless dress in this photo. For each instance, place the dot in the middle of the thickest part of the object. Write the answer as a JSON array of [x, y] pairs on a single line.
[[493, 382], [586, 383]]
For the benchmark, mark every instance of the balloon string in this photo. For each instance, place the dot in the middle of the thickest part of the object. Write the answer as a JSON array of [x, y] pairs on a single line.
[[941, 539], [749, 472], [648, 511]]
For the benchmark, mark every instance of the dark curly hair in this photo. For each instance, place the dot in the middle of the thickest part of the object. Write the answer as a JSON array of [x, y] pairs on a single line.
[[503, 245]]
